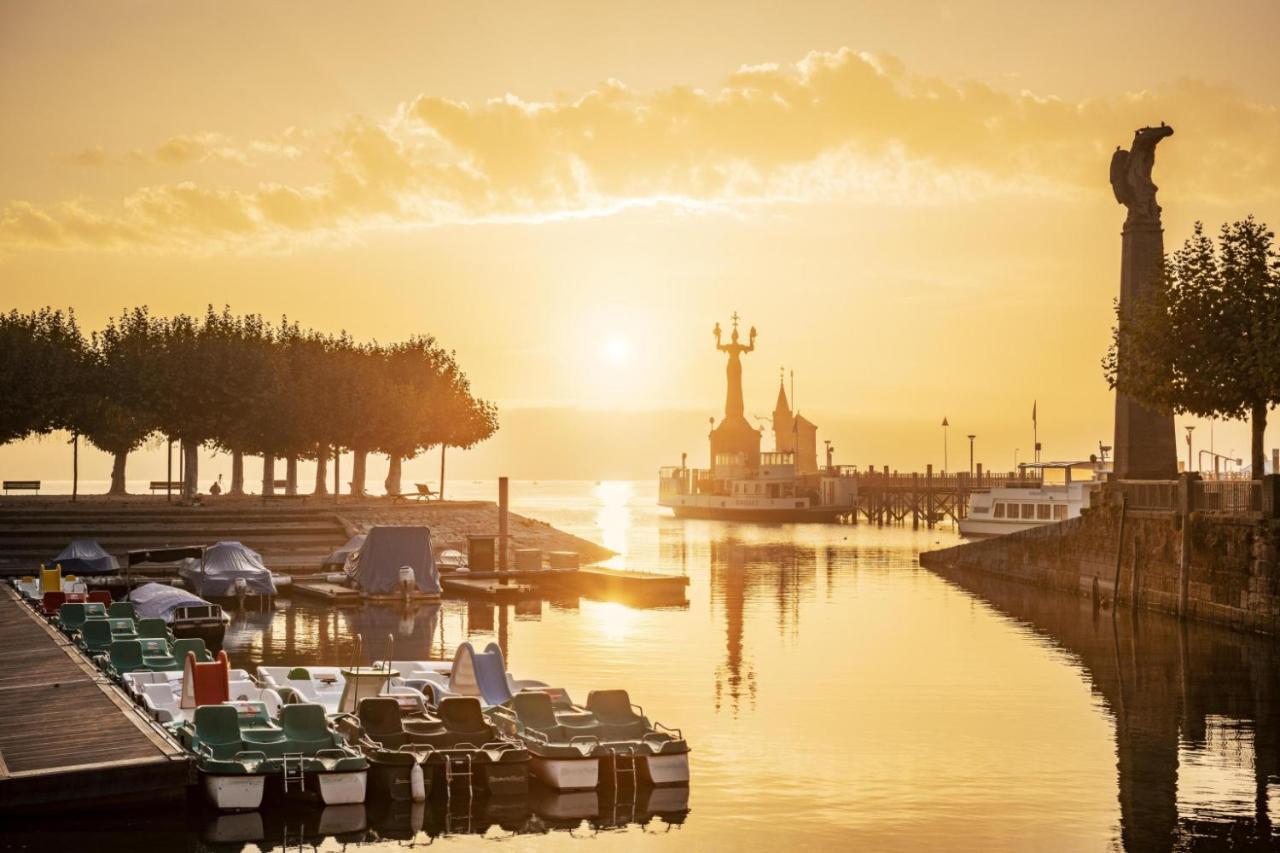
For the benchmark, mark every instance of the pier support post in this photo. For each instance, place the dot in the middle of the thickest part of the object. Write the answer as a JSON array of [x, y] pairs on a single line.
[[915, 501], [928, 496], [502, 528], [1186, 504]]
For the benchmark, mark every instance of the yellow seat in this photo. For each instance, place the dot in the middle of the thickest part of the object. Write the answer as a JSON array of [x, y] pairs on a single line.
[[51, 579]]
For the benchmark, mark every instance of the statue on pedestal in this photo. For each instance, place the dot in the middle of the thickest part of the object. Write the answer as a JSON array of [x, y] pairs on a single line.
[[1131, 175], [733, 406]]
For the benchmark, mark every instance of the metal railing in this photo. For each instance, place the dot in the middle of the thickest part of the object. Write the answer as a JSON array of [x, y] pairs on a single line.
[[1149, 494], [1235, 496]]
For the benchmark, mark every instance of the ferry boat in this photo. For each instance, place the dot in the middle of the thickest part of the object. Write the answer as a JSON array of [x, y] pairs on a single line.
[[1000, 511], [744, 484]]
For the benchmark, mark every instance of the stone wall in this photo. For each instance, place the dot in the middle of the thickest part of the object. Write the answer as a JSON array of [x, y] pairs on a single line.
[[1233, 577]]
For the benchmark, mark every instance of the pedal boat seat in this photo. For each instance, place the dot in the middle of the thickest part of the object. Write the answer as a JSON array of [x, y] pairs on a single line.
[[381, 720], [125, 655], [618, 720], [122, 610], [95, 636], [257, 731], [156, 655], [307, 731], [195, 645], [122, 629], [71, 616], [153, 628], [216, 740], [534, 710], [464, 722]]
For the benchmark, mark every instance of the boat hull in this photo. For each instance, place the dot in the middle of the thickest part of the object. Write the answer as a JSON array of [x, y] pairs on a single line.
[[234, 793], [665, 770], [339, 789], [567, 774]]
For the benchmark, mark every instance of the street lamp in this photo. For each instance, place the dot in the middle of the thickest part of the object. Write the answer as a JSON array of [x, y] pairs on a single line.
[[1189, 428], [971, 438], [945, 444]]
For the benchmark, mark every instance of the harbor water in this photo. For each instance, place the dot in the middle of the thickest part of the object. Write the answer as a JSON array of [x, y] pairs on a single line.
[[835, 695]]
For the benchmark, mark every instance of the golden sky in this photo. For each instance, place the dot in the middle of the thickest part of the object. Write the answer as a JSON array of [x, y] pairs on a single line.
[[908, 200]]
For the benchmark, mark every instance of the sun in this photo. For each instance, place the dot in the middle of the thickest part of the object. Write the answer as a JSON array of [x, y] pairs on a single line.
[[617, 350]]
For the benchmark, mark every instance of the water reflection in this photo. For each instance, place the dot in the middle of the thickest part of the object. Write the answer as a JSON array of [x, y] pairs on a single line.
[[1196, 716]]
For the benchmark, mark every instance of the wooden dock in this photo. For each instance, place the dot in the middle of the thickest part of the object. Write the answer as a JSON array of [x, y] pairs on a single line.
[[882, 497], [69, 738], [489, 588]]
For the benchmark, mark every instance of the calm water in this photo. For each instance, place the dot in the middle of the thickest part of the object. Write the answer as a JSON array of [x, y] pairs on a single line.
[[835, 694]]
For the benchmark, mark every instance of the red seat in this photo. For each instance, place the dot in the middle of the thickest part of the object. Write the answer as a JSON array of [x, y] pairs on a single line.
[[52, 601], [101, 596]]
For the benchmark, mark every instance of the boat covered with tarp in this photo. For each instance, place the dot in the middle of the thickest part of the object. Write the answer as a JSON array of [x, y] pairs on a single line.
[[85, 557], [187, 615], [228, 569], [376, 568], [338, 559]]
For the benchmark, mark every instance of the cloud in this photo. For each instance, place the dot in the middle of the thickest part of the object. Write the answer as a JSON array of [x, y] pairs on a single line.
[[839, 125]]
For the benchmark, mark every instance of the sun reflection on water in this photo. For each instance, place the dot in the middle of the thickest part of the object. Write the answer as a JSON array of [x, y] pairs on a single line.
[[613, 517]]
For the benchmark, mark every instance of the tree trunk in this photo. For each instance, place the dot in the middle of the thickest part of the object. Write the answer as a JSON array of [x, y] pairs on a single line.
[[268, 474], [1259, 453], [392, 484], [191, 474], [291, 475], [117, 473], [359, 457], [237, 473], [322, 471]]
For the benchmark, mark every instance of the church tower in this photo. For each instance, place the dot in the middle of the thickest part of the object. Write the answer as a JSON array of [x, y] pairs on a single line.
[[784, 437], [794, 433]]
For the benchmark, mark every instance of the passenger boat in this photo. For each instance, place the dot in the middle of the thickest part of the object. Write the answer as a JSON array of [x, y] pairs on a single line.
[[744, 484], [1000, 511]]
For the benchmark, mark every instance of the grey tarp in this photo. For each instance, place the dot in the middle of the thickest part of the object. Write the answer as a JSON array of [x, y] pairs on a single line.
[[376, 566], [338, 559], [159, 601], [85, 557], [223, 564]]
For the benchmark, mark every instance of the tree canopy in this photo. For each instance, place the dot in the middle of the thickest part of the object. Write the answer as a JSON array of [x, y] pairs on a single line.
[[235, 382], [1208, 342]]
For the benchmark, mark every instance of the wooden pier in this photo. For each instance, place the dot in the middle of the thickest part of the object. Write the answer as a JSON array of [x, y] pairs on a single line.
[[69, 738], [883, 497]]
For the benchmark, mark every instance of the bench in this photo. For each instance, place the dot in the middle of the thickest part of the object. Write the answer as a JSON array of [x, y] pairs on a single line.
[[424, 492], [280, 496], [165, 486], [21, 486]]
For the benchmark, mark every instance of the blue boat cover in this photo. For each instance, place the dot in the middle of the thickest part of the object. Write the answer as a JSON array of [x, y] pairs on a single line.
[[340, 556], [375, 568], [224, 563], [159, 601], [85, 557]]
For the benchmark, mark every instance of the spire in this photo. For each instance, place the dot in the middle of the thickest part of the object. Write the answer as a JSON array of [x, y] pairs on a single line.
[[782, 407]]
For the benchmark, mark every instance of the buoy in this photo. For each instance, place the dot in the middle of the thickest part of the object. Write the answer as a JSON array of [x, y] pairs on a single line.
[[417, 784]]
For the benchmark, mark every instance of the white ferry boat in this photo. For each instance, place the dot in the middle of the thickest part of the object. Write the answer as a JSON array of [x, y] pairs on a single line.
[[1066, 489], [744, 484]]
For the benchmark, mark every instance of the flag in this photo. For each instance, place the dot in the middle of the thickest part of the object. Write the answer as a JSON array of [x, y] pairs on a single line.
[[944, 421], [1033, 411]]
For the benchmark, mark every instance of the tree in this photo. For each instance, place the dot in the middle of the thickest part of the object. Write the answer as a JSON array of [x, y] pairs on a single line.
[[1208, 342], [119, 414]]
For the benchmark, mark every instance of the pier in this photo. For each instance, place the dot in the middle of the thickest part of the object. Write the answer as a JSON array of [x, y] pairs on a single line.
[[882, 497], [67, 735]]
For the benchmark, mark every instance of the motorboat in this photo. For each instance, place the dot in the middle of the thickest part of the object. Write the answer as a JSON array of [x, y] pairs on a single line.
[[186, 615], [451, 560], [395, 561], [1066, 489], [238, 746], [228, 570], [83, 557]]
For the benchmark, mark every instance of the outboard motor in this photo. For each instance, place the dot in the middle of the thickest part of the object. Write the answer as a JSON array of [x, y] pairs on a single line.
[[407, 581], [242, 589]]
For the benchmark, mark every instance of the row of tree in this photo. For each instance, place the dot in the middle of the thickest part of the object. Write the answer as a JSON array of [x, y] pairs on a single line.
[[1208, 342], [236, 383]]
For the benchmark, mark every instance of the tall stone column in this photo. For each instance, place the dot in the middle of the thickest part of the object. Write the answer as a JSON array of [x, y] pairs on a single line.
[[1145, 444]]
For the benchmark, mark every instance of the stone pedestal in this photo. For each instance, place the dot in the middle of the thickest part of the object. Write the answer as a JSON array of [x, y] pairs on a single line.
[[1145, 444]]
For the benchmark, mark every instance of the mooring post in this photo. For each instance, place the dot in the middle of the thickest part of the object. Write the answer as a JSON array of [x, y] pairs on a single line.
[[502, 529], [928, 495], [1135, 572], [1115, 582], [1186, 504]]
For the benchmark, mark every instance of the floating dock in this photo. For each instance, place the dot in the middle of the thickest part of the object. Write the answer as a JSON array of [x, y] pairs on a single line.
[[68, 736]]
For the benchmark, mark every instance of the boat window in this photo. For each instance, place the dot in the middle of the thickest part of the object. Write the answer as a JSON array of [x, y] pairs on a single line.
[[1028, 510], [1042, 511], [999, 513], [1060, 512], [976, 510]]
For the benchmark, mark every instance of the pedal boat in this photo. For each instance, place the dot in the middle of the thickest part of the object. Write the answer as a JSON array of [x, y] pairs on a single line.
[[653, 753]]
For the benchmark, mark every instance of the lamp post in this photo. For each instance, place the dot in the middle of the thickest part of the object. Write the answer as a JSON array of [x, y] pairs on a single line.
[[971, 438], [945, 444], [1189, 428]]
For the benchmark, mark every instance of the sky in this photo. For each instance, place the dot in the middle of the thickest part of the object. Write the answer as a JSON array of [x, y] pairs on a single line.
[[908, 201]]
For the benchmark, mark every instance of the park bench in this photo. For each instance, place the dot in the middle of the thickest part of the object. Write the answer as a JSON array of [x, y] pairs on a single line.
[[280, 495], [165, 486], [424, 492], [21, 486]]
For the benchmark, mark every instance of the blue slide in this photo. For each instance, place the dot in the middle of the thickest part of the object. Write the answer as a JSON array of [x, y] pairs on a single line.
[[480, 674]]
